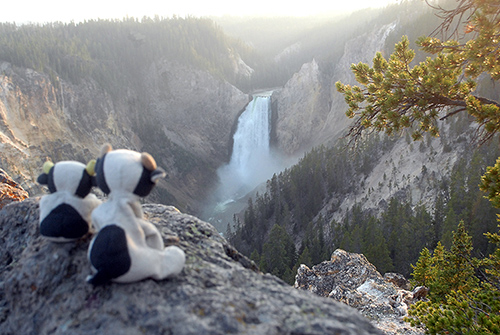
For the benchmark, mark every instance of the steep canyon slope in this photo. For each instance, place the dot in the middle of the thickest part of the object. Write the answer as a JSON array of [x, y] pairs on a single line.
[[311, 113], [185, 121]]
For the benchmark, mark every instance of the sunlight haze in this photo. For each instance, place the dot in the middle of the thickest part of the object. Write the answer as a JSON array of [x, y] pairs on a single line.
[[26, 11]]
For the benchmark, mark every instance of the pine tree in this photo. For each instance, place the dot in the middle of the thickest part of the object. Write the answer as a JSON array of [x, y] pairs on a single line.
[[460, 268], [438, 216], [254, 256], [459, 302], [278, 254], [305, 258], [492, 263], [375, 246], [422, 271]]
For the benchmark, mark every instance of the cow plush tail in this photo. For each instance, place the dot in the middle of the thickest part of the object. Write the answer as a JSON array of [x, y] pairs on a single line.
[[109, 255]]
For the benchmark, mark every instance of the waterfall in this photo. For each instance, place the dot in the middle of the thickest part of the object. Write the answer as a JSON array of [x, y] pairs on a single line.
[[251, 139], [251, 160]]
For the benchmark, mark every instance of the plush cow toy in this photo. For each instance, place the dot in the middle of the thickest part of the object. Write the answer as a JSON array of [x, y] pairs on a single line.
[[65, 213], [127, 248]]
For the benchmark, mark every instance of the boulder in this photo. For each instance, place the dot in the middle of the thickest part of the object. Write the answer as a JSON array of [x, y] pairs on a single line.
[[220, 291], [350, 278], [398, 279]]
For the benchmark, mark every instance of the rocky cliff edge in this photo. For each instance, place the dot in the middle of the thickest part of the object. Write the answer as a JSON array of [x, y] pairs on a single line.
[[43, 288], [351, 279]]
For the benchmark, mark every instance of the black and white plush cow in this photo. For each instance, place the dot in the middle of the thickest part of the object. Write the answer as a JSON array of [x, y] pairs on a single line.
[[127, 248], [65, 213]]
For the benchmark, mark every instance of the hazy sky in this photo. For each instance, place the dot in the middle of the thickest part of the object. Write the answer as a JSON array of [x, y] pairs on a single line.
[[23, 11]]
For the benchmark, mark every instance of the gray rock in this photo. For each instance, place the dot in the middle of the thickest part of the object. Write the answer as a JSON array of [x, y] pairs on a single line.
[[351, 279], [398, 279], [43, 289]]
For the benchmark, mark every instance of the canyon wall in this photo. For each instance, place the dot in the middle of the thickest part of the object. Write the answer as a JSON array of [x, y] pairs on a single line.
[[182, 116], [311, 112]]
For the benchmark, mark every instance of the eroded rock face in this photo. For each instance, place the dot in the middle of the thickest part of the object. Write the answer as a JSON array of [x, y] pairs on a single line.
[[310, 110], [43, 288], [195, 110], [303, 104], [181, 115], [351, 279]]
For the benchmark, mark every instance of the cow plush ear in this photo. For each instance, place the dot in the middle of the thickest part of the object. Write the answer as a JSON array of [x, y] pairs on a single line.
[[157, 174]]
